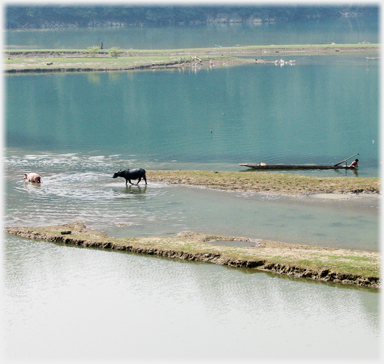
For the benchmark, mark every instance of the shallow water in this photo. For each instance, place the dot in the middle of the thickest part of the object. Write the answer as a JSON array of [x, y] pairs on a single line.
[[85, 304], [76, 187], [77, 130], [237, 243]]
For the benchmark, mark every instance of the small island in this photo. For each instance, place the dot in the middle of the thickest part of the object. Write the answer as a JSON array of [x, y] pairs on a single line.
[[341, 266], [115, 59]]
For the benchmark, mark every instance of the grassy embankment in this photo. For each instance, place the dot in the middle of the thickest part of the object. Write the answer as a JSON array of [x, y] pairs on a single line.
[[61, 60], [266, 182], [323, 264]]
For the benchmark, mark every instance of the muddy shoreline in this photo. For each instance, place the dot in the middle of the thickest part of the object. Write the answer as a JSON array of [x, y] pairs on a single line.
[[293, 260]]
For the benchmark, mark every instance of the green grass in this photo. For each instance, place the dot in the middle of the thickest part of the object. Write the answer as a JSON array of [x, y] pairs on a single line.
[[195, 51], [107, 63], [340, 263]]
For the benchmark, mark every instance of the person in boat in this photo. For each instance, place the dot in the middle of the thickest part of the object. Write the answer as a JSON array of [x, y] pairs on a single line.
[[355, 164]]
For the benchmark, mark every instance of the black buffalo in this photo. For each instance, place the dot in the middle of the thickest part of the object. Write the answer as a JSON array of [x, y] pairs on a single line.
[[129, 174]]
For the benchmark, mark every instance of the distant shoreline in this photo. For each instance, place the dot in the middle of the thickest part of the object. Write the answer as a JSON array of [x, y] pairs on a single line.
[[82, 60]]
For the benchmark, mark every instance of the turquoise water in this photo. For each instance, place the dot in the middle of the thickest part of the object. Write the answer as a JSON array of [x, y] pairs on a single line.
[[321, 111], [351, 30], [76, 130]]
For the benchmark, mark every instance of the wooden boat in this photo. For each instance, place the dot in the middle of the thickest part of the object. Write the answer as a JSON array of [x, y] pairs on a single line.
[[292, 166], [264, 166]]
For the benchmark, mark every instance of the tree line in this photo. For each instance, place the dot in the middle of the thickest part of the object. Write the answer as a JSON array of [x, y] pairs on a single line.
[[41, 16]]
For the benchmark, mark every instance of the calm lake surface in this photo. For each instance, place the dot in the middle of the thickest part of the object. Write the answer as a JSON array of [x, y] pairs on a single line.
[[347, 30], [76, 130], [322, 110]]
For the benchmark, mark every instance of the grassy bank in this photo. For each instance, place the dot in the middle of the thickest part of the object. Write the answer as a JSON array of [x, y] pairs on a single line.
[[353, 267], [266, 182], [61, 60], [36, 63]]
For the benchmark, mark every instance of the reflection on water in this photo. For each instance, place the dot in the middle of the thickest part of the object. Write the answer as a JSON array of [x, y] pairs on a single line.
[[71, 303], [77, 130], [135, 190], [289, 115]]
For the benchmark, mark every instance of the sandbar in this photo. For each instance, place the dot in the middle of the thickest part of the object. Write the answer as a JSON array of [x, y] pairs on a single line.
[[340, 266]]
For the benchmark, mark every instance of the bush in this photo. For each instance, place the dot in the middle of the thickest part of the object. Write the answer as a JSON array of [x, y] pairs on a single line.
[[114, 52], [93, 50]]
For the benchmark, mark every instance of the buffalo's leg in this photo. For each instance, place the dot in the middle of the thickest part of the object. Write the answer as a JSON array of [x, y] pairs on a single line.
[[138, 181]]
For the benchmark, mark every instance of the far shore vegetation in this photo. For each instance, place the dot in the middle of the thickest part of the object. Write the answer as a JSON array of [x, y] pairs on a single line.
[[114, 59], [51, 16]]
